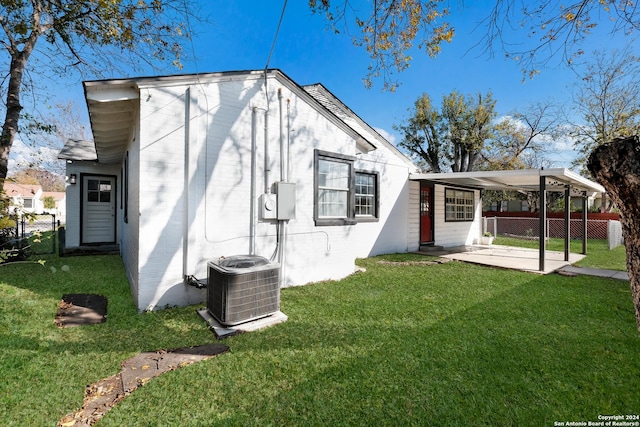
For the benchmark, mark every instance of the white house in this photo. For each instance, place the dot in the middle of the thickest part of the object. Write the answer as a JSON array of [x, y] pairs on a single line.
[[27, 197], [189, 168], [185, 169]]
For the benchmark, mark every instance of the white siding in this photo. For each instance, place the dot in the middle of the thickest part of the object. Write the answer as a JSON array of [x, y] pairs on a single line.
[[219, 189], [455, 233], [130, 241], [189, 192], [414, 216], [73, 197]]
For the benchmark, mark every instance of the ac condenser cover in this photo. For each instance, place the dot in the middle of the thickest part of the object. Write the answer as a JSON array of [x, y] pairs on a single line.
[[242, 288]]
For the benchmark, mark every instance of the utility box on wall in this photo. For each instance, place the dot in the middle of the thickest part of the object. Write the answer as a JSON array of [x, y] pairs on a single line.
[[268, 206], [286, 192]]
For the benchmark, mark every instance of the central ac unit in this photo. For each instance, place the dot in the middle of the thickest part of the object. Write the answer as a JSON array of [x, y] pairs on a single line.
[[242, 288]]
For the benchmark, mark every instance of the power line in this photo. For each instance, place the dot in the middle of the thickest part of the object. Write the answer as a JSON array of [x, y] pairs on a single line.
[[273, 45]]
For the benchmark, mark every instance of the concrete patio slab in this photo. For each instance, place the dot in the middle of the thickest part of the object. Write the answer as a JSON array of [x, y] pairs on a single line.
[[222, 331], [611, 274], [510, 257]]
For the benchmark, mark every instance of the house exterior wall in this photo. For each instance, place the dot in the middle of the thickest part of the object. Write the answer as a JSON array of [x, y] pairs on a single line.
[[195, 187], [413, 237], [73, 199], [455, 233], [26, 197], [128, 214], [161, 200]]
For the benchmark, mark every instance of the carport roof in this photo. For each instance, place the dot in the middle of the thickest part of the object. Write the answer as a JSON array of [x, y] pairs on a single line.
[[556, 179]]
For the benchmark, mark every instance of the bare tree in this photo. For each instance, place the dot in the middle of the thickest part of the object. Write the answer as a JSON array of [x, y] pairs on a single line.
[[607, 100], [89, 36], [389, 29], [521, 139]]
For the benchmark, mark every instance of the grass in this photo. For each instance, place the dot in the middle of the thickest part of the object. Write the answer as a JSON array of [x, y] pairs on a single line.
[[599, 255], [406, 344]]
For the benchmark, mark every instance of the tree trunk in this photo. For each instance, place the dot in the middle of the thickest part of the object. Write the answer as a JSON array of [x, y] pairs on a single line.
[[16, 71], [12, 116], [616, 165]]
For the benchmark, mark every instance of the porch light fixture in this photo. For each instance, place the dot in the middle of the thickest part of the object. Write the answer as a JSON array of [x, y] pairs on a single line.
[[72, 178]]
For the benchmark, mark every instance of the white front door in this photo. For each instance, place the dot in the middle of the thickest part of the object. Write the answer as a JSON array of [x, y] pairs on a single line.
[[98, 209]]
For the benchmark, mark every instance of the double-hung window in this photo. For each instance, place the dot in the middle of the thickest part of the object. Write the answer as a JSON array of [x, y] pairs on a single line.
[[459, 205], [343, 195], [366, 196], [334, 182]]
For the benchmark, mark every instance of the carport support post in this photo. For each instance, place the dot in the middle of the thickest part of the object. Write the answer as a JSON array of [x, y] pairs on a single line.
[[584, 223], [543, 220], [567, 221]]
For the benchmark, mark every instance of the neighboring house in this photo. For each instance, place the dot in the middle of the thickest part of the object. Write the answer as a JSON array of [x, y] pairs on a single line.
[[24, 196], [189, 168], [593, 202]]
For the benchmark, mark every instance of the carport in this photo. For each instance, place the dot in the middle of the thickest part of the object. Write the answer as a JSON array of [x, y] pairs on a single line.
[[541, 180]]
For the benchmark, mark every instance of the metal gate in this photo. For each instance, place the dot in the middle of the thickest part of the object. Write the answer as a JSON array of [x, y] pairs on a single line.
[[36, 234]]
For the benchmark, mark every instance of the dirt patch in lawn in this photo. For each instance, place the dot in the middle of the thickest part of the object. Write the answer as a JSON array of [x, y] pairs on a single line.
[[81, 309], [103, 395]]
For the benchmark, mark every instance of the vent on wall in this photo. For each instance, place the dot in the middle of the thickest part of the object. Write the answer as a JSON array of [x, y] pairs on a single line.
[[242, 288]]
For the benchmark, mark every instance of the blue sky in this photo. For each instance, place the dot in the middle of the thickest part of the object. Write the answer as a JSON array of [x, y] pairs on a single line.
[[241, 33]]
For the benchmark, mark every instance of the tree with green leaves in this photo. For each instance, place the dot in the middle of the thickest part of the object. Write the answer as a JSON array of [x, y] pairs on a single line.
[[423, 135], [449, 138], [49, 38], [48, 202]]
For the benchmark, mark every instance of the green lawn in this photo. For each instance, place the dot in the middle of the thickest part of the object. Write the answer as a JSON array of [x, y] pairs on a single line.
[[400, 344]]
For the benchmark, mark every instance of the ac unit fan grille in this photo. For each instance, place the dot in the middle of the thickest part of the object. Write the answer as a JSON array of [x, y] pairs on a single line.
[[238, 298]]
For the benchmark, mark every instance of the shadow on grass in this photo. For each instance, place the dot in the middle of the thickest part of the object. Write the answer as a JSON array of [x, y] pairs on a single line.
[[44, 369], [451, 344], [448, 344]]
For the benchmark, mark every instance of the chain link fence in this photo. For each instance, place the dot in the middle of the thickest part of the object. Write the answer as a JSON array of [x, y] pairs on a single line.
[[527, 228], [32, 235]]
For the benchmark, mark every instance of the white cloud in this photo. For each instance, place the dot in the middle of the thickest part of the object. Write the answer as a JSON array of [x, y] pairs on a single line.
[[386, 135], [23, 156], [19, 156]]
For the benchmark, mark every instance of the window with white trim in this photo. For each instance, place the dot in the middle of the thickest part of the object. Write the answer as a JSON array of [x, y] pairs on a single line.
[[459, 205], [334, 178]]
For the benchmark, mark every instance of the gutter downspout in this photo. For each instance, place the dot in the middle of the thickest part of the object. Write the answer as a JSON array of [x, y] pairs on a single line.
[[282, 229], [190, 196], [252, 203], [267, 160], [288, 176]]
